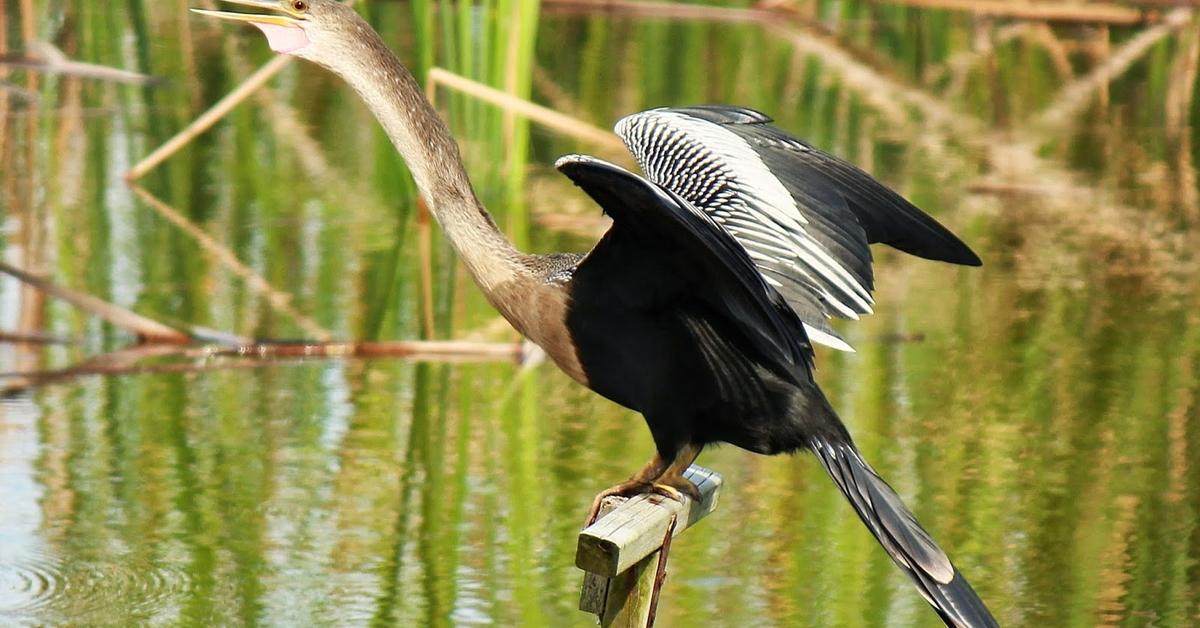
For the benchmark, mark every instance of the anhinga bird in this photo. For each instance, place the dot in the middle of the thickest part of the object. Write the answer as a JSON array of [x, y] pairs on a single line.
[[697, 306]]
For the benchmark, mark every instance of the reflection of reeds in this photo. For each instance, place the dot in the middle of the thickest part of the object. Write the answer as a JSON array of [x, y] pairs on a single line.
[[1181, 88], [1008, 424], [146, 328], [1110, 606], [160, 358], [1077, 94], [209, 118], [33, 339], [279, 300], [1039, 11], [44, 57], [4, 91]]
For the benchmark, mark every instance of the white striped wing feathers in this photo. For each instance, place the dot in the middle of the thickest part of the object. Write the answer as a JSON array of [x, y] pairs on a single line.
[[818, 266]]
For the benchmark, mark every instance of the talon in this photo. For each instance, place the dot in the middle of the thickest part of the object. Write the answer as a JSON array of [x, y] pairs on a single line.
[[656, 477], [667, 491], [680, 484], [628, 488]]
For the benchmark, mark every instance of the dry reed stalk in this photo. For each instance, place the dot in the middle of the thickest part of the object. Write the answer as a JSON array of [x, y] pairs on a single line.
[[665, 10], [146, 328], [558, 97], [1164, 3], [187, 47], [32, 230], [204, 359], [1181, 98], [1088, 12], [28, 22], [546, 117], [70, 147], [3, 75], [1181, 88], [1115, 561], [379, 349], [1076, 95], [1188, 185], [957, 67], [210, 117], [33, 339], [1103, 51], [279, 300], [207, 119], [21, 93], [883, 93], [1042, 35], [48, 59], [1179, 420], [425, 260], [286, 124], [511, 63], [18, 382], [1106, 228], [129, 356]]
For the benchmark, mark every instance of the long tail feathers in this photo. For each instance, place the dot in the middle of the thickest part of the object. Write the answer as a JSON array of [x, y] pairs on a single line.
[[897, 530]]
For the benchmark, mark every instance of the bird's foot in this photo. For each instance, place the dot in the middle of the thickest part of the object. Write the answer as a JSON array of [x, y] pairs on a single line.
[[628, 488], [669, 487], [679, 484]]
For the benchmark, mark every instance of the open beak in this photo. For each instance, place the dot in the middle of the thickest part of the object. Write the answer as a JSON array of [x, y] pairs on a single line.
[[282, 27], [266, 5]]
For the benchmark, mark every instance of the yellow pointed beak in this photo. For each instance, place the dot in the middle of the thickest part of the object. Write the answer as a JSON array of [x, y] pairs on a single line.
[[285, 33], [290, 17]]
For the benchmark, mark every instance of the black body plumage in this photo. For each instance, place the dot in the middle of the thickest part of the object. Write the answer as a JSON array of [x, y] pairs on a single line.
[[670, 317]]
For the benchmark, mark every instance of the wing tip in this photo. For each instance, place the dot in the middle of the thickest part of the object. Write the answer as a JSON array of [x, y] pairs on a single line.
[[578, 167], [828, 339], [961, 254], [571, 160]]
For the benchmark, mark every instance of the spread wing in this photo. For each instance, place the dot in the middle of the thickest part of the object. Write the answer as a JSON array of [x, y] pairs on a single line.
[[656, 232], [805, 217]]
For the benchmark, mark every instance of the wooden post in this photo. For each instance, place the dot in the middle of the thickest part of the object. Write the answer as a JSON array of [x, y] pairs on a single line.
[[619, 552]]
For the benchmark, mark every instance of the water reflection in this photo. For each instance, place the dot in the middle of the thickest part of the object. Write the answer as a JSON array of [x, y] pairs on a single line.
[[1038, 414]]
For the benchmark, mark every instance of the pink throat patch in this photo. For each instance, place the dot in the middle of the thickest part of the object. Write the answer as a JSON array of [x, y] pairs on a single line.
[[285, 39]]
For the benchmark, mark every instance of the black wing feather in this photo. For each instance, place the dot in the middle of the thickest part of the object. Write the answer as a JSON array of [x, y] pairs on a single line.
[[886, 216], [704, 252], [806, 217]]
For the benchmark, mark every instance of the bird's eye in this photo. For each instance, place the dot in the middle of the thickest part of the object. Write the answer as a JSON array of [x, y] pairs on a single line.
[[300, 6]]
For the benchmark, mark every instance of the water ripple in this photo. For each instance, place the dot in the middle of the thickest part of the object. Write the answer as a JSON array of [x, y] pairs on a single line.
[[38, 588]]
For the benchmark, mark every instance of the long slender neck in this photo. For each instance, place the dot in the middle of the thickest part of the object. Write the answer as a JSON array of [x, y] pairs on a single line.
[[425, 144]]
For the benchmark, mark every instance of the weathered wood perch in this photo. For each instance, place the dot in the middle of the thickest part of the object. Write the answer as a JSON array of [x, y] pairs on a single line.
[[619, 552]]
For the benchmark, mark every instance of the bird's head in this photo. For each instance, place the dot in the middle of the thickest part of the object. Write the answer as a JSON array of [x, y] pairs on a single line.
[[316, 30]]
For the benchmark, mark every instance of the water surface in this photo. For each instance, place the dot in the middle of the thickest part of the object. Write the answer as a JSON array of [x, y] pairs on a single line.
[[1038, 414]]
